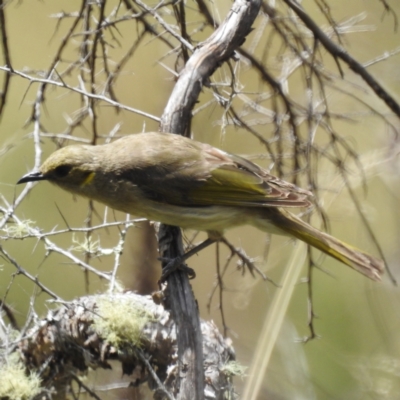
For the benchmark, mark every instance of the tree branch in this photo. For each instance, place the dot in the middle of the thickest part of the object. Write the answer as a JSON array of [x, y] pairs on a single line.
[[82, 335], [207, 57]]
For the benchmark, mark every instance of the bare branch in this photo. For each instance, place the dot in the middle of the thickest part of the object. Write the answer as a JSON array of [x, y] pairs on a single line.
[[78, 338]]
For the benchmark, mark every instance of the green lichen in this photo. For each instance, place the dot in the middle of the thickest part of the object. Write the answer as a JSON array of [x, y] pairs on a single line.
[[233, 368], [15, 384], [120, 322], [20, 229]]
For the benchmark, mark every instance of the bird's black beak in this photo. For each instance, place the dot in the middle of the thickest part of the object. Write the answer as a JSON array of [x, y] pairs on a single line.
[[32, 177]]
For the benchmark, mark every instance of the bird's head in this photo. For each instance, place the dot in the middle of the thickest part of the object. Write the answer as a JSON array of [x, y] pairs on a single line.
[[72, 168]]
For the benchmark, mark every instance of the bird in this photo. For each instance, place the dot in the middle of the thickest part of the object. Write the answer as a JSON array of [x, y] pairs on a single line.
[[179, 181]]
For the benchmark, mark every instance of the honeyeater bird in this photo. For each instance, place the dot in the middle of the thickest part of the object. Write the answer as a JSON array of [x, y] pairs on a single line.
[[182, 182]]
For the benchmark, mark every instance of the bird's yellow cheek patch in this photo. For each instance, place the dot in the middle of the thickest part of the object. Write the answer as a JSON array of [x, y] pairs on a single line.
[[88, 179]]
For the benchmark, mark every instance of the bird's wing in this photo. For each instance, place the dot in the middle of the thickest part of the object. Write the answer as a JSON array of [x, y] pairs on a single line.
[[204, 176], [234, 187], [243, 183]]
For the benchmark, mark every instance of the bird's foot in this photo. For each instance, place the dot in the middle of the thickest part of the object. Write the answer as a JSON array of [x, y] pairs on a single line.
[[175, 264]]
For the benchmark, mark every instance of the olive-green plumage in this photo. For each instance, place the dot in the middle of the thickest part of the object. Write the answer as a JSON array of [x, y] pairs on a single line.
[[178, 181]]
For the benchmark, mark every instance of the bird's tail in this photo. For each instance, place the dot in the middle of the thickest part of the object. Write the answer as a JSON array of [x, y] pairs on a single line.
[[354, 258]]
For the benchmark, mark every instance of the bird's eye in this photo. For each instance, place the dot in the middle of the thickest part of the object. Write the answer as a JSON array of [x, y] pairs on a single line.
[[62, 170]]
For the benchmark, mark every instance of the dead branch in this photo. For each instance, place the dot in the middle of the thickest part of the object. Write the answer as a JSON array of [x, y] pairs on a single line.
[[82, 335], [176, 118]]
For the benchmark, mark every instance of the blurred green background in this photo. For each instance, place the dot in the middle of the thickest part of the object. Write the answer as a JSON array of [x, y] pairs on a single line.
[[357, 354]]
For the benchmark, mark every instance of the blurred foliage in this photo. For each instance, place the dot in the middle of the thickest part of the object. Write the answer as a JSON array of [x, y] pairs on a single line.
[[89, 72]]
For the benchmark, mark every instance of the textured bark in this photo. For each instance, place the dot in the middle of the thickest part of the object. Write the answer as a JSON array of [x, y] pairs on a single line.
[[66, 344], [206, 58]]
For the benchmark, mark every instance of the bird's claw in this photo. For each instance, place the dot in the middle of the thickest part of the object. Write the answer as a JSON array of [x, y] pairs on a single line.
[[175, 264]]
